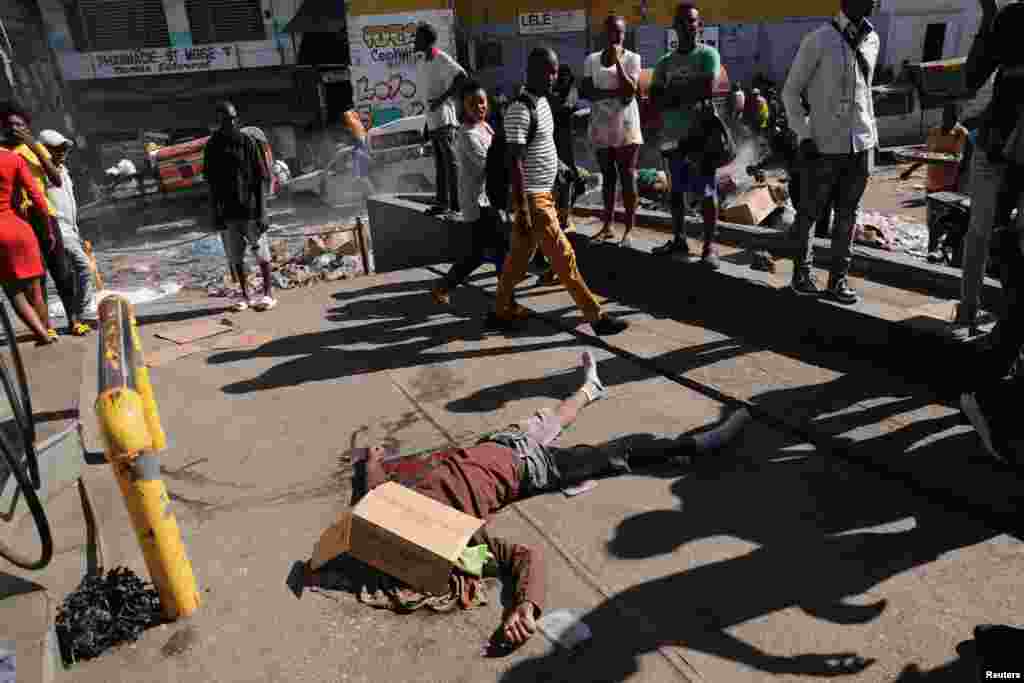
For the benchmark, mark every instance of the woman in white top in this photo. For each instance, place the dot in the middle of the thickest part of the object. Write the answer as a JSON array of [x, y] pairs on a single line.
[[610, 82]]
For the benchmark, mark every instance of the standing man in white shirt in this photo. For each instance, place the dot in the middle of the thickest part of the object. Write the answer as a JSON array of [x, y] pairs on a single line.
[[64, 203], [440, 78], [833, 68]]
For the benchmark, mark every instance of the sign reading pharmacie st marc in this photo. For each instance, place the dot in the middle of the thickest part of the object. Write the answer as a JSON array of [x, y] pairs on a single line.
[[163, 61]]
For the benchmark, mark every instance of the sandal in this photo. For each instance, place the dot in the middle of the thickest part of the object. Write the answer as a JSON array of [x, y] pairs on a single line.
[[80, 329], [604, 235]]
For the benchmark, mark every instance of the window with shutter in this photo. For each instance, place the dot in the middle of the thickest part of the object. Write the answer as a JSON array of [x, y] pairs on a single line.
[[123, 24], [225, 21]]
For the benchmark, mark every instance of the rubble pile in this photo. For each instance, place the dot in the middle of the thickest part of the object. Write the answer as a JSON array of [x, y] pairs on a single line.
[[328, 258], [105, 611], [892, 232]]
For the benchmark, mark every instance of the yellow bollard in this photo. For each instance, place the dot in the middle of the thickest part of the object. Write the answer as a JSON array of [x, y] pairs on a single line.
[[130, 422]]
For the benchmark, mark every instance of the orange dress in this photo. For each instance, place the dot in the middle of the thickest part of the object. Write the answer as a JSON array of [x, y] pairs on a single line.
[[19, 249]]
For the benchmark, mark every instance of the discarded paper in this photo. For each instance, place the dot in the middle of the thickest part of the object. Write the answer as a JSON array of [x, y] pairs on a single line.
[[241, 341], [582, 487], [186, 334], [155, 359], [565, 627]]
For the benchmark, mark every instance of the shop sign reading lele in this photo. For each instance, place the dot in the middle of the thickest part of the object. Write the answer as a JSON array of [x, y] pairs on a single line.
[[164, 61]]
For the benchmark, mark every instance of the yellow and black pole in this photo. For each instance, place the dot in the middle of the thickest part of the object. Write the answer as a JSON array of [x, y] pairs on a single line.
[[130, 424]]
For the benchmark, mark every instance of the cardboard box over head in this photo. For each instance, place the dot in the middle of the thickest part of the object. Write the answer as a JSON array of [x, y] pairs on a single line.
[[402, 533]]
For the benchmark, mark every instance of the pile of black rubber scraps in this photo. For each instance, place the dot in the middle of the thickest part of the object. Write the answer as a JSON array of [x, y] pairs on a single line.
[[105, 611]]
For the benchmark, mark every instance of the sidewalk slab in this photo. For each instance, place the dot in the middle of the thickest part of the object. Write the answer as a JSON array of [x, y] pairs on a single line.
[[747, 570]]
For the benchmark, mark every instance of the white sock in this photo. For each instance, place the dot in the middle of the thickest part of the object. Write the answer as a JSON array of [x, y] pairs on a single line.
[[592, 385]]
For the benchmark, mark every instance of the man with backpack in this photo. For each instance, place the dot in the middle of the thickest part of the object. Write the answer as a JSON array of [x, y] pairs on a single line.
[[837, 136], [532, 165], [681, 88]]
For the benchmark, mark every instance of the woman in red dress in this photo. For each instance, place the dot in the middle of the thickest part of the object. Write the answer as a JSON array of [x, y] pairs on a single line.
[[21, 264]]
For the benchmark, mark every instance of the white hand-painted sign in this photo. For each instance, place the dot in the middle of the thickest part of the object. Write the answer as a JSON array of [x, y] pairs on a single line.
[[164, 61], [552, 21], [383, 65]]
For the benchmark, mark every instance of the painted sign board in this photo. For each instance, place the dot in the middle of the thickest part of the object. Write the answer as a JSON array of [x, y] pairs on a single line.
[[552, 21], [383, 65], [164, 61]]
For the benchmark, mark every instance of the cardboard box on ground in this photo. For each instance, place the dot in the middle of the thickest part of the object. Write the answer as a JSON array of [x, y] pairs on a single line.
[[402, 533]]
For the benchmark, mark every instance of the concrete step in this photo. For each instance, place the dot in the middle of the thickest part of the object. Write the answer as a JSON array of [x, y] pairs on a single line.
[[26, 620], [904, 329]]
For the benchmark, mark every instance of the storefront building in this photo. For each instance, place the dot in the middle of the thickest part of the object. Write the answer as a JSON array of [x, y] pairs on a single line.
[[134, 67]]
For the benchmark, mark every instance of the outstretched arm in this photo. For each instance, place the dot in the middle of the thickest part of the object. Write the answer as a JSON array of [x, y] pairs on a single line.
[[525, 567]]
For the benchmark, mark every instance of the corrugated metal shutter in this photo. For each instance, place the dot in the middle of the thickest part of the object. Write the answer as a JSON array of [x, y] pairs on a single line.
[[225, 21], [124, 24]]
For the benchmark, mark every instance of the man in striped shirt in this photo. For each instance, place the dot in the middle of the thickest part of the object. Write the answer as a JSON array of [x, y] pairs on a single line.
[[534, 165]]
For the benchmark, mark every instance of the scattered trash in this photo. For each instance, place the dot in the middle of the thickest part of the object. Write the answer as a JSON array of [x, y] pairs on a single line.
[[155, 359], [186, 334], [565, 627], [105, 611], [472, 560], [582, 487], [211, 246]]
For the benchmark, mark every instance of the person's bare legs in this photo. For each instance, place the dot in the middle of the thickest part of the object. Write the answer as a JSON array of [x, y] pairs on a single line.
[[606, 161], [27, 309], [591, 390], [627, 158]]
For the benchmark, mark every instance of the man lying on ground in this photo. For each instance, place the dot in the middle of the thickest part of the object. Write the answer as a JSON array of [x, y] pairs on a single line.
[[506, 466]]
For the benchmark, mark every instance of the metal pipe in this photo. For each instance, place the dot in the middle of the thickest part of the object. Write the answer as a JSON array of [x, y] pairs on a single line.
[[130, 423]]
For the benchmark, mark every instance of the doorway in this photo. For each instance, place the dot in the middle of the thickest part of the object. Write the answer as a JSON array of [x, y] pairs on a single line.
[[934, 42]]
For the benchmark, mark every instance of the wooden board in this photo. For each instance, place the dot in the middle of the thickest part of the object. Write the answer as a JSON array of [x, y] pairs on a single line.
[[186, 334], [155, 359], [241, 340]]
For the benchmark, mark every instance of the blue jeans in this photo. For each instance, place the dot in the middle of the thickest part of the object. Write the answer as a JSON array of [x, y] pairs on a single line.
[[81, 271]]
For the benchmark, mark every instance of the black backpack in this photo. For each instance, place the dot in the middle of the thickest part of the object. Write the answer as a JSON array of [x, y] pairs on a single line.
[[498, 177]]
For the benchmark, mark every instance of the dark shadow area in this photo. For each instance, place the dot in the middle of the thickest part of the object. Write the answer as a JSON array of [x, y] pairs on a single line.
[[182, 315], [403, 331], [963, 669], [818, 548], [614, 372], [11, 585]]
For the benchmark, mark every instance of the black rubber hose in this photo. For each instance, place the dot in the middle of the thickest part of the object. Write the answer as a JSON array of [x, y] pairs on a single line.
[[21, 400], [23, 473], [35, 508]]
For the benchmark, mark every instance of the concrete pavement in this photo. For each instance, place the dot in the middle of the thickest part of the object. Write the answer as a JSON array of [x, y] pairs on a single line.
[[765, 564]]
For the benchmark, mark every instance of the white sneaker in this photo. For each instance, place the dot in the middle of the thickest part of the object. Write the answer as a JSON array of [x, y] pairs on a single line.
[[265, 303], [240, 305]]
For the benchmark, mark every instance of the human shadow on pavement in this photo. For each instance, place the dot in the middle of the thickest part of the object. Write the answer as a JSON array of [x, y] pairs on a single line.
[[963, 669], [816, 548], [614, 372], [378, 334]]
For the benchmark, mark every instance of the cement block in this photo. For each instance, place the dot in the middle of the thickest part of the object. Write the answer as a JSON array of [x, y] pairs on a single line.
[[403, 236], [26, 618]]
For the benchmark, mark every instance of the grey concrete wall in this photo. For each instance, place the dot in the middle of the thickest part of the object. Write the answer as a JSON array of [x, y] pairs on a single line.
[[403, 236]]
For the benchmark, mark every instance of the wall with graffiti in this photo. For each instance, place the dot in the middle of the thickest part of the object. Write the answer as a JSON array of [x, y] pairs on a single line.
[[383, 67]]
